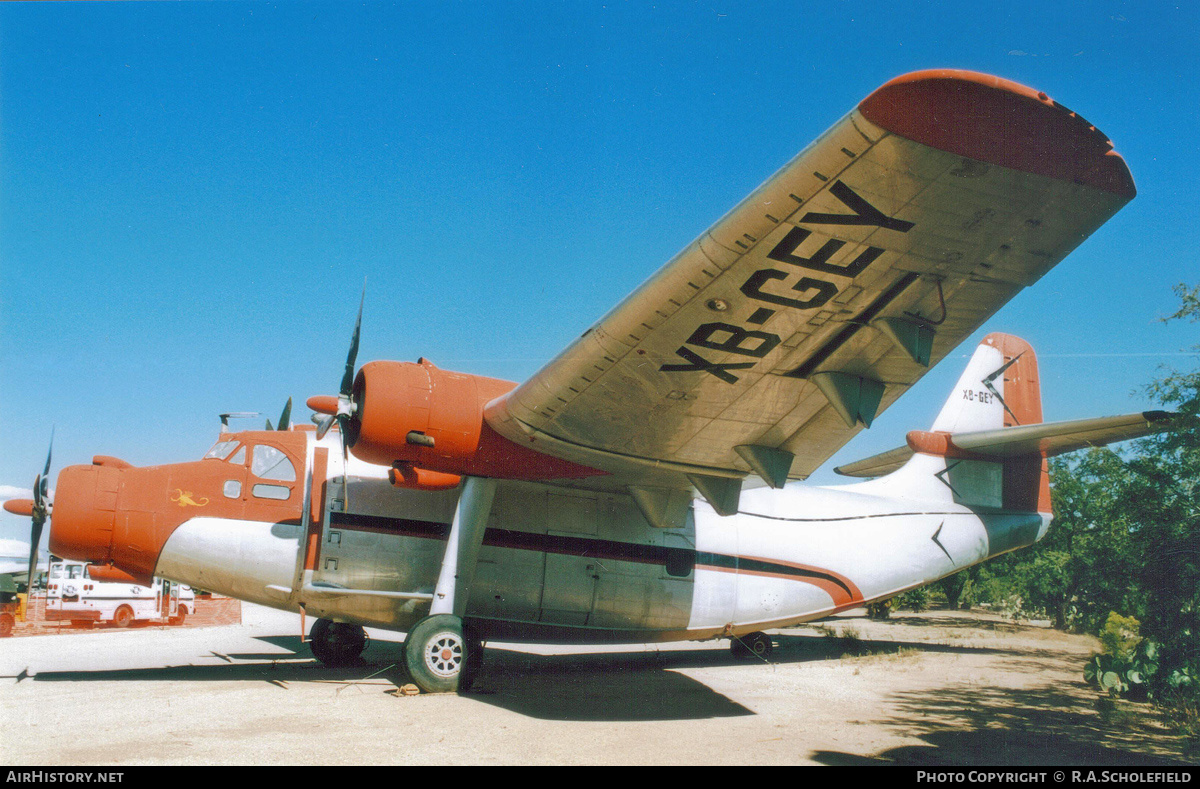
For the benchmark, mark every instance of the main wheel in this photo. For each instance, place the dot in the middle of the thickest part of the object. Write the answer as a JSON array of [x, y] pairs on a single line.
[[751, 645], [437, 655], [123, 616], [336, 643]]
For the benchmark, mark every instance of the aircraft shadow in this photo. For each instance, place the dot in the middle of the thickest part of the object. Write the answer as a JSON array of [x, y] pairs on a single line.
[[1004, 726], [638, 684], [645, 685]]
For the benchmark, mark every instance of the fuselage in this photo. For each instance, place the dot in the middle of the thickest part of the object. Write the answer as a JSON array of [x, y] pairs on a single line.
[[557, 564]]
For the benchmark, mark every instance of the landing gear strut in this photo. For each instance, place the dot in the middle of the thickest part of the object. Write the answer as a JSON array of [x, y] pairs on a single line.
[[440, 658], [336, 643], [751, 645]]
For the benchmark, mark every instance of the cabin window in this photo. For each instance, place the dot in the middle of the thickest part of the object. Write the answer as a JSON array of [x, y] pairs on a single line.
[[269, 463], [233, 489], [222, 450], [239, 457], [279, 492]]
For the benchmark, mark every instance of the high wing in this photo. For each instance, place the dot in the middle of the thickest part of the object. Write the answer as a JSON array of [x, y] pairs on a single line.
[[768, 342]]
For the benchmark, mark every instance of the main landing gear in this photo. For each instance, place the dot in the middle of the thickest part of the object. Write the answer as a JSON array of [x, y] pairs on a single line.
[[752, 645], [440, 658], [336, 643]]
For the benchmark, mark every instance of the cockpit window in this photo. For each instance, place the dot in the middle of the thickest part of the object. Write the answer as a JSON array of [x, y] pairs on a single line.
[[222, 450], [269, 463]]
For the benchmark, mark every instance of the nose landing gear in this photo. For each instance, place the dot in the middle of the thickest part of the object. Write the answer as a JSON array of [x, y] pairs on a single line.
[[336, 643]]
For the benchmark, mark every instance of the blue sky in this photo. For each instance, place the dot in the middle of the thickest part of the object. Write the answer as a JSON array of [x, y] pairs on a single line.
[[192, 193]]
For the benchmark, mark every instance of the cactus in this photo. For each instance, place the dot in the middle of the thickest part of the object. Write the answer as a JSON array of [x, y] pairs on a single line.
[[1128, 663]]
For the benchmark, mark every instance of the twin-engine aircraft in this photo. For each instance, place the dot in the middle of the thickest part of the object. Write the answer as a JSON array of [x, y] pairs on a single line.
[[606, 498]]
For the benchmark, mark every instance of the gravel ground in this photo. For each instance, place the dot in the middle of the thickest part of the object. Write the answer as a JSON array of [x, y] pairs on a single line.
[[939, 688]]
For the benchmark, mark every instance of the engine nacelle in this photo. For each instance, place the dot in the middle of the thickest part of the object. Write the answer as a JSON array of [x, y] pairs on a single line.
[[417, 416]]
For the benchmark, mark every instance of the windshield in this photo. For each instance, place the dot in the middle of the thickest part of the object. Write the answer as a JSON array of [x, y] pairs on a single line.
[[222, 450], [60, 571]]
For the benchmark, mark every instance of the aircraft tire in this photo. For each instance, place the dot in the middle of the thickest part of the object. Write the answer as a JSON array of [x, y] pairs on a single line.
[[436, 654], [751, 645], [472, 665], [336, 643]]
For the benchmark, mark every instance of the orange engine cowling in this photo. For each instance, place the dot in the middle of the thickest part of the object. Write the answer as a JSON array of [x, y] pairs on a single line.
[[419, 417], [403, 408]]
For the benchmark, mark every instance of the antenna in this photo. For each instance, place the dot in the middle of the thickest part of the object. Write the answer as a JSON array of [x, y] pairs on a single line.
[[235, 415]]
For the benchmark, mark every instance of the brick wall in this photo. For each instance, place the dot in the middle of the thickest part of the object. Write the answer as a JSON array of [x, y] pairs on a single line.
[[210, 612]]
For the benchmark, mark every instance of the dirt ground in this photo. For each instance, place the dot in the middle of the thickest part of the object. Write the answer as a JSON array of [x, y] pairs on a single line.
[[938, 688]]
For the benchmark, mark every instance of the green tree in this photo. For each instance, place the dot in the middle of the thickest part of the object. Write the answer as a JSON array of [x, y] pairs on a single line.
[[1126, 535], [1160, 501]]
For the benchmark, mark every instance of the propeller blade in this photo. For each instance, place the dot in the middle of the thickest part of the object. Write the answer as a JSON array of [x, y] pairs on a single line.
[[352, 357], [35, 537], [324, 425], [345, 471], [269, 426], [41, 510], [49, 452], [285, 419]]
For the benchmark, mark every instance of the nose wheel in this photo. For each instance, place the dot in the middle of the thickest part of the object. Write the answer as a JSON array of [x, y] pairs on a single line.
[[336, 643], [439, 657]]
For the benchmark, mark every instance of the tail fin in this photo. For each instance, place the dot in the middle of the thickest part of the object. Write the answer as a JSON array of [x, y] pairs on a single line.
[[988, 446], [998, 389]]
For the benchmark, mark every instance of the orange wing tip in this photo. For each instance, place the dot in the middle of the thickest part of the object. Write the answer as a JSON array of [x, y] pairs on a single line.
[[999, 122]]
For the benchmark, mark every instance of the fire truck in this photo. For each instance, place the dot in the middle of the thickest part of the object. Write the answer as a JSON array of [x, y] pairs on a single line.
[[84, 595]]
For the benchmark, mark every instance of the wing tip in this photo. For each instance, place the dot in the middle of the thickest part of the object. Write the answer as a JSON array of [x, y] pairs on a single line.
[[1001, 122]]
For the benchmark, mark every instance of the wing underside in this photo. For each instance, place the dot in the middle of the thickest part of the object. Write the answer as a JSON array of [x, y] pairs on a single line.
[[767, 343]]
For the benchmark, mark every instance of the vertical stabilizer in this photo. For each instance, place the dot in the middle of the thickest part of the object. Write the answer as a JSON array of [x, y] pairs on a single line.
[[999, 388]]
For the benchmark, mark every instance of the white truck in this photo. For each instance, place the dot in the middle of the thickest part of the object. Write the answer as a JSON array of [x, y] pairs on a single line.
[[72, 594]]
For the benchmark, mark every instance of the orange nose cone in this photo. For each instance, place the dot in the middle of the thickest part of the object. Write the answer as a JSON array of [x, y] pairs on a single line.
[[19, 507], [81, 524], [323, 404]]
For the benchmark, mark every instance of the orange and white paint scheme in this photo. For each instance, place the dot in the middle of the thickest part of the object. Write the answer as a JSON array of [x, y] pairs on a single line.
[[606, 498]]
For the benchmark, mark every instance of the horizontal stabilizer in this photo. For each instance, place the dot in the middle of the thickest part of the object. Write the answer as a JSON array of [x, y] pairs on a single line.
[[877, 465], [1046, 439]]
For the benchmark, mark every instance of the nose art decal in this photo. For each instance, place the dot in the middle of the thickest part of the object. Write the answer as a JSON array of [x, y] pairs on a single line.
[[184, 497]]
